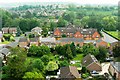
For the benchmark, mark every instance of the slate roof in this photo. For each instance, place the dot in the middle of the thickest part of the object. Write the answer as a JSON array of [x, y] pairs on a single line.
[[69, 72], [88, 59], [89, 41], [4, 51], [45, 40], [70, 29], [9, 30], [116, 65], [70, 40], [23, 39], [5, 29], [36, 29], [34, 39], [13, 29], [12, 44]]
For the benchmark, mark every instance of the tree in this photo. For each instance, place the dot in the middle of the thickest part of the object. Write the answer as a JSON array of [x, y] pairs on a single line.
[[38, 50], [90, 49], [116, 51], [61, 22], [60, 50], [109, 23], [32, 76], [102, 53], [70, 16], [64, 63], [68, 53], [77, 22], [45, 59], [38, 64], [73, 48], [16, 63], [33, 50], [85, 20], [52, 66], [53, 25], [28, 14], [23, 24]]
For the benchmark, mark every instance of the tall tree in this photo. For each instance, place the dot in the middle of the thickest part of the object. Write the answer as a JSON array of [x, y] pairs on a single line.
[[73, 48], [68, 53], [52, 66], [16, 63]]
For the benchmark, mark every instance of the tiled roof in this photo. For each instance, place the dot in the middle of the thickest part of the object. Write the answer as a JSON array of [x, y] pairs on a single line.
[[4, 51], [75, 29], [34, 39], [51, 40], [12, 44], [70, 40], [69, 72], [88, 59], [23, 39]]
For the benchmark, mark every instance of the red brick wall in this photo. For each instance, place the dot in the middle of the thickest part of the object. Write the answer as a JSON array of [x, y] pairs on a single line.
[[57, 32], [96, 35], [105, 44], [78, 35], [23, 44]]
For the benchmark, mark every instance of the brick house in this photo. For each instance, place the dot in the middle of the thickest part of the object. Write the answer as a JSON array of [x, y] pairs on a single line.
[[7, 30], [50, 42], [69, 73], [87, 34], [100, 42], [37, 30], [114, 70], [23, 42], [76, 41], [34, 41], [13, 30], [91, 63]]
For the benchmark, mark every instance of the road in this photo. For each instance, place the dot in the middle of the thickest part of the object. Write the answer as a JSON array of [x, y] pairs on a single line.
[[108, 38]]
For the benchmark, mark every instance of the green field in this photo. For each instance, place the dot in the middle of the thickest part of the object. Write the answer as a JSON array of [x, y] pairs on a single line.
[[114, 33]]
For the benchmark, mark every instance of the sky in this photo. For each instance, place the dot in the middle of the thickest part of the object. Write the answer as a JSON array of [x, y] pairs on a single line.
[[76, 1]]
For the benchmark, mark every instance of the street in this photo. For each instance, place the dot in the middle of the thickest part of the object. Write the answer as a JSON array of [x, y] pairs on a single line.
[[108, 38]]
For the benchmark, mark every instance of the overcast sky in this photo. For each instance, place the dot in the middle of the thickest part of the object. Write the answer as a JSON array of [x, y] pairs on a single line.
[[76, 1]]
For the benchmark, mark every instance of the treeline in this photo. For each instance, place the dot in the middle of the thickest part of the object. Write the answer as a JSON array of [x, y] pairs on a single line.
[[86, 17]]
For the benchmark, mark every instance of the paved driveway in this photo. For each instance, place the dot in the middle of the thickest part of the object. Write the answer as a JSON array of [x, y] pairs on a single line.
[[108, 38], [105, 67]]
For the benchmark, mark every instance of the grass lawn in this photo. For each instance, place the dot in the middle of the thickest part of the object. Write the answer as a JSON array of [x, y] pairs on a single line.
[[117, 59], [78, 57], [114, 33], [5, 42]]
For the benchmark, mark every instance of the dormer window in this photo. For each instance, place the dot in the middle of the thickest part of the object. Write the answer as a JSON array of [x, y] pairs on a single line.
[[89, 31]]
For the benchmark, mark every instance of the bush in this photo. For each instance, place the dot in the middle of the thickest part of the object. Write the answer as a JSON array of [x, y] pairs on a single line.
[[85, 75]]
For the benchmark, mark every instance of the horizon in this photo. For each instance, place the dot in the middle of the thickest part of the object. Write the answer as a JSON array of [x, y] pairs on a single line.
[[16, 3], [74, 1]]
